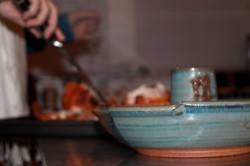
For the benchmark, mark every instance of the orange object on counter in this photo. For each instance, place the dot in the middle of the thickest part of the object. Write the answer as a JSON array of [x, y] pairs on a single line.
[[143, 101], [144, 95], [78, 104]]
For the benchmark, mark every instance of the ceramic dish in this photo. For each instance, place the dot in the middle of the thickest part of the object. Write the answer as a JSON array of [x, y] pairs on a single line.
[[190, 129], [140, 160]]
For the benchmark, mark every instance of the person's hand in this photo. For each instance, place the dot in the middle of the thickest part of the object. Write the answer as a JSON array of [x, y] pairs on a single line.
[[39, 12]]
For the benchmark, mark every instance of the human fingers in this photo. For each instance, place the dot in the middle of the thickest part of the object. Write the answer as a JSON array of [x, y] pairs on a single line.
[[33, 9], [59, 35], [48, 19], [51, 21], [10, 12], [35, 32], [41, 16]]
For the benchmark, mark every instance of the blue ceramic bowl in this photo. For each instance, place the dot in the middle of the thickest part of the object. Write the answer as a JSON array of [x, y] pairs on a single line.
[[190, 129], [107, 123]]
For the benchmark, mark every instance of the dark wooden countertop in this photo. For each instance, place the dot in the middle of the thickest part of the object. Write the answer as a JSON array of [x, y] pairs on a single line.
[[35, 128]]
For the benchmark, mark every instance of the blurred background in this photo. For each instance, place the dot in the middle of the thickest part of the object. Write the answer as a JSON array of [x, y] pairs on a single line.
[[140, 41]]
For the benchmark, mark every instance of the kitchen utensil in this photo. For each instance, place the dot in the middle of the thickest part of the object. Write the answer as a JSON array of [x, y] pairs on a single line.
[[23, 5]]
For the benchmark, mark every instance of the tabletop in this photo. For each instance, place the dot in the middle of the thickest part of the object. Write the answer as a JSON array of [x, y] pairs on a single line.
[[104, 151], [108, 152]]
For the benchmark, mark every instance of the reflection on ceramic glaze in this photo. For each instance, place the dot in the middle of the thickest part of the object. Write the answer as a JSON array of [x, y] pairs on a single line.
[[246, 124], [201, 88]]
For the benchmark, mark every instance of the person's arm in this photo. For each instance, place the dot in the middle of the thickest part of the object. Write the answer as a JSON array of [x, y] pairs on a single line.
[[39, 12]]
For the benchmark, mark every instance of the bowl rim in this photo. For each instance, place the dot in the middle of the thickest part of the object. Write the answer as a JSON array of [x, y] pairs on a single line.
[[179, 68], [190, 103]]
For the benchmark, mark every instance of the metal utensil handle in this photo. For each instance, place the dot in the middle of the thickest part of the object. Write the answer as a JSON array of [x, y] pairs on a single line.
[[83, 75]]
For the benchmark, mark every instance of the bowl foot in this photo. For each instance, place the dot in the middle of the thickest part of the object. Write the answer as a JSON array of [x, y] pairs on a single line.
[[194, 152]]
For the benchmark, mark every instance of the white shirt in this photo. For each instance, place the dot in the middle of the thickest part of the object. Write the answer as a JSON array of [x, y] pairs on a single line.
[[13, 72]]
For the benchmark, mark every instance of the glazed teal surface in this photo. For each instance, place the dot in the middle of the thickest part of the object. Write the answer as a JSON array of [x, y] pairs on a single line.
[[107, 122], [181, 86], [185, 125]]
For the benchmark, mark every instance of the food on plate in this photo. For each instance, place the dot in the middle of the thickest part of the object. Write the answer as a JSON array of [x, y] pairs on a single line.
[[78, 96], [61, 115], [144, 95], [78, 103]]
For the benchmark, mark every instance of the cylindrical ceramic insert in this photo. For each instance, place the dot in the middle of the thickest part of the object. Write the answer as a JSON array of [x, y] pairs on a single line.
[[193, 84]]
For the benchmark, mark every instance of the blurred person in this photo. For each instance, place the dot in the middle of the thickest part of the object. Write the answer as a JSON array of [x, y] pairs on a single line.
[[13, 72]]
